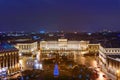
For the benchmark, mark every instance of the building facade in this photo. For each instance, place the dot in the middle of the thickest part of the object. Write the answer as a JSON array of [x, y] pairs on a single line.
[[93, 48], [63, 46], [27, 47], [114, 63], [9, 60], [110, 60]]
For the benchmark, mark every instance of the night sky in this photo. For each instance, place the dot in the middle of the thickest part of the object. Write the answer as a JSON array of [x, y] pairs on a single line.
[[54, 15]]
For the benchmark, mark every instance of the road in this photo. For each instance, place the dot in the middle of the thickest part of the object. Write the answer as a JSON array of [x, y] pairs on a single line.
[[91, 62], [26, 63], [87, 60]]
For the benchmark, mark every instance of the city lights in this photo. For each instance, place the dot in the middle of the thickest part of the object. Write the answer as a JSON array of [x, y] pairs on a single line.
[[59, 40], [68, 54]]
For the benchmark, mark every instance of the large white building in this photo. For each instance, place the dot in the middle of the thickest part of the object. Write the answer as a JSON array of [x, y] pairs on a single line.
[[63, 45], [27, 47]]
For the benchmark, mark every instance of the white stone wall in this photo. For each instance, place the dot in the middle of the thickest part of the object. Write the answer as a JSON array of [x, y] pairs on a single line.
[[26, 47], [66, 45]]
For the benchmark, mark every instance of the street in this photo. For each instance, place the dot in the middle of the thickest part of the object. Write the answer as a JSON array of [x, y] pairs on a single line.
[[28, 63], [91, 62]]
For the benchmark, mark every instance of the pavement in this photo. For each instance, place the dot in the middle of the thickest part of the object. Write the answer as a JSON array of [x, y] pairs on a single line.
[[26, 63]]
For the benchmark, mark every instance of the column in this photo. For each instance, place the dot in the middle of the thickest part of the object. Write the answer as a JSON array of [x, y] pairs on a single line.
[[4, 60], [17, 59], [12, 64], [74, 56], [8, 61], [0, 62], [14, 60]]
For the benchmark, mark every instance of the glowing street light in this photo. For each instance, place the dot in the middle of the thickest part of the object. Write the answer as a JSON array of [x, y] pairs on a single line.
[[118, 74]]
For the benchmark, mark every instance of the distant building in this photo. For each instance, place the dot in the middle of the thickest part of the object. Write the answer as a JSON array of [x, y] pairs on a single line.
[[63, 46], [27, 47], [9, 59], [93, 48]]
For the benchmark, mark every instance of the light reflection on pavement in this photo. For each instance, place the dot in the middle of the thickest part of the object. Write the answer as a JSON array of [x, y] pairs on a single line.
[[24, 65], [89, 61]]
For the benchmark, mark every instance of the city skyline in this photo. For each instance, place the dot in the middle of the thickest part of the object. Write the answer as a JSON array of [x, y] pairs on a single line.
[[78, 15]]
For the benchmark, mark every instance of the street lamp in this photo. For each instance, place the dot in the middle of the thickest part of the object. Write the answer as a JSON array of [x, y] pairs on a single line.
[[21, 65], [118, 74]]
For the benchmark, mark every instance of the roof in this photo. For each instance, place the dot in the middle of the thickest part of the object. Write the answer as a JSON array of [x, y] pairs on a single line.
[[114, 57], [27, 41], [6, 47]]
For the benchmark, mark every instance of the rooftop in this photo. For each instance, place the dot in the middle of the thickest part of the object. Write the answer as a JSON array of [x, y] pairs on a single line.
[[23, 41], [4, 47], [114, 57]]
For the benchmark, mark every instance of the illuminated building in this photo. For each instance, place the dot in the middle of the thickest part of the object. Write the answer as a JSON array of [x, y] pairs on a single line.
[[93, 48], [109, 59], [27, 47], [113, 63], [9, 59], [63, 46]]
